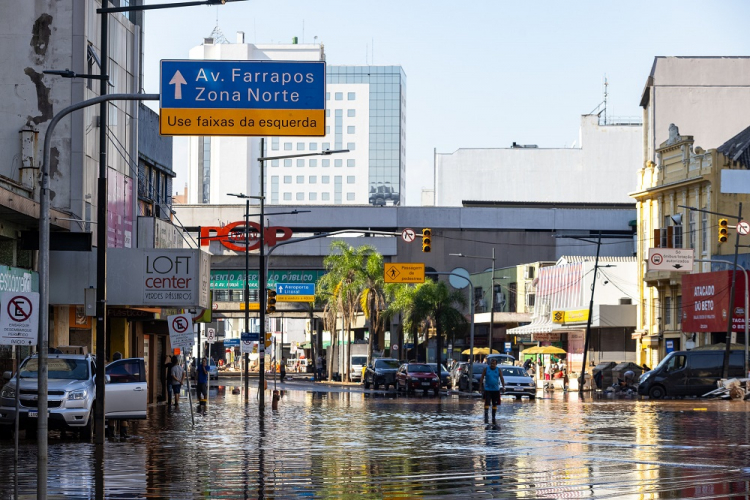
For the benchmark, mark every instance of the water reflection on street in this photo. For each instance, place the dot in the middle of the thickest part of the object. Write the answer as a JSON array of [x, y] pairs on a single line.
[[353, 444]]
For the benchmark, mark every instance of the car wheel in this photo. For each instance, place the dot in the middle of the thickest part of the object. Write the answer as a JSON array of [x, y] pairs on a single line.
[[657, 392], [87, 431], [532, 398], [518, 397]]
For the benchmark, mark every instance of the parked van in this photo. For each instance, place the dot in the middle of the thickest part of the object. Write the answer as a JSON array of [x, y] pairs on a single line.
[[689, 373], [358, 363]]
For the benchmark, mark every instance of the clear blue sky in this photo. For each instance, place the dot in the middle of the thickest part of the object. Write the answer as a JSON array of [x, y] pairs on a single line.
[[479, 73]]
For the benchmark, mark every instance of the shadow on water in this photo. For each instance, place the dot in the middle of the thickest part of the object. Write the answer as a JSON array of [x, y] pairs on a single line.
[[324, 444]]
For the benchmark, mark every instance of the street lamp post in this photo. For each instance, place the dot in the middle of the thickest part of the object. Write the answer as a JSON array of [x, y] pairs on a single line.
[[492, 293]]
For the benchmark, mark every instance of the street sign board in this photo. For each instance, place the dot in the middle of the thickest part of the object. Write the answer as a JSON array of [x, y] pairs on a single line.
[[210, 335], [254, 306], [19, 318], [181, 330], [404, 273], [231, 342], [743, 227], [246, 347], [295, 292], [670, 259], [242, 98], [250, 336]]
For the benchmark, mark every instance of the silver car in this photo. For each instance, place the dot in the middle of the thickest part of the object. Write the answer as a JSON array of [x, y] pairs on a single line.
[[518, 383]]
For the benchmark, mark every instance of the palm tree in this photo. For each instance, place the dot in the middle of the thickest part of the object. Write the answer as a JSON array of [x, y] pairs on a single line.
[[372, 298], [401, 299], [434, 303], [340, 288]]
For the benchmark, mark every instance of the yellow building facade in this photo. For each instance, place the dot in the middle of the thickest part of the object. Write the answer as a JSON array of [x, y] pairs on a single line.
[[682, 176]]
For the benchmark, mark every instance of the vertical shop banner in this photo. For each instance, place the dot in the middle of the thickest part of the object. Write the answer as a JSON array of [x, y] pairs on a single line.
[[705, 302]]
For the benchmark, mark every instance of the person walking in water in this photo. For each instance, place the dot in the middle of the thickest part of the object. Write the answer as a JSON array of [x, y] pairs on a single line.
[[490, 382], [178, 376]]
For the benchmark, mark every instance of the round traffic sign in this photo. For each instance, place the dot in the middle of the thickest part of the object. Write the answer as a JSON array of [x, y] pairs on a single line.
[[408, 235], [743, 227], [394, 347], [19, 308], [180, 324], [657, 259]]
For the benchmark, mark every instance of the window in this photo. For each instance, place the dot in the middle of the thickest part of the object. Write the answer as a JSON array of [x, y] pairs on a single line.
[[300, 196], [300, 146], [351, 113], [667, 313], [677, 236], [326, 146], [313, 163], [300, 162], [287, 146], [274, 143], [328, 130], [339, 96], [125, 371], [326, 163], [312, 196], [325, 179], [287, 179], [691, 228], [350, 129], [287, 196], [313, 146], [328, 113], [288, 162], [350, 179], [328, 96], [338, 163], [350, 196], [351, 96], [704, 233], [339, 113], [274, 163], [350, 162], [678, 309], [325, 196], [313, 179], [350, 146], [300, 179]]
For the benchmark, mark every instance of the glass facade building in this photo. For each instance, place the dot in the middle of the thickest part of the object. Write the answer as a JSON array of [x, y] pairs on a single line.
[[387, 126]]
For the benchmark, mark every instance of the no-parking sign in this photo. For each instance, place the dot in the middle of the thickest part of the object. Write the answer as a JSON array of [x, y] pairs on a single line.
[[181, 330], [19, 318]]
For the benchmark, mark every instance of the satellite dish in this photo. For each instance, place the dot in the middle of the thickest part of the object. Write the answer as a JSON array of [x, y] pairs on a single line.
[[456, 281]]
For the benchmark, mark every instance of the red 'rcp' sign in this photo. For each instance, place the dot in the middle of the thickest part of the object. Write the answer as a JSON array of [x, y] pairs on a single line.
[[232, 236]]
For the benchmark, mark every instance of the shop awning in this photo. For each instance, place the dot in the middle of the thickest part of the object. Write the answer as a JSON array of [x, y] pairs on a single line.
[[541, 325]]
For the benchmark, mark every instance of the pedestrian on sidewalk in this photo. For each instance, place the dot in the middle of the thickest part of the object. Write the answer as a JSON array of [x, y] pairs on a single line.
[[178, 377], [167, 379], [319, 367], [282, 369], [489, 384]]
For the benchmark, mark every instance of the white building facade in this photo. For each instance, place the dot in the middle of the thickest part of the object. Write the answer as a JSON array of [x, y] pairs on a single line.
[[599, 170], [365, 113]]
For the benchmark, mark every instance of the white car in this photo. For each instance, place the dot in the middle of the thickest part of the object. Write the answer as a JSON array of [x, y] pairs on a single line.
[[72, 393]]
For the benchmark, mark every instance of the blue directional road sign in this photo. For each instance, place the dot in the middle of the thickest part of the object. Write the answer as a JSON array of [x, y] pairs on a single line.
[[250, 336], [295, 292], [231, 342], [242, 98]]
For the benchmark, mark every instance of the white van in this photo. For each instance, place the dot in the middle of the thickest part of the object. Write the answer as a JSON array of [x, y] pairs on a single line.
[[358, 361]]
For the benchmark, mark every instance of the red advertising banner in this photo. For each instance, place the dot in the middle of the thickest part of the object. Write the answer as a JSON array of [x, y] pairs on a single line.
[[705, 302]]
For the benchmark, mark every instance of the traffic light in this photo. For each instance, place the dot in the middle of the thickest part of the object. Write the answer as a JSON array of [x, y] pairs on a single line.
[[723, 230], [270, 300], [427, 240]]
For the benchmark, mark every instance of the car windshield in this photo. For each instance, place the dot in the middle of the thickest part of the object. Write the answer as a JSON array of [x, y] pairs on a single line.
[[432, 365], [479, 368], [502, 359], [359, 360], [514, 371], [419, 369], [67, 369], [387, 363]]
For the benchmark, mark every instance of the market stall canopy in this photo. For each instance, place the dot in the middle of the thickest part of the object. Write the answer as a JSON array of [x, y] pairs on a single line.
[[480, 351], [545, 349]]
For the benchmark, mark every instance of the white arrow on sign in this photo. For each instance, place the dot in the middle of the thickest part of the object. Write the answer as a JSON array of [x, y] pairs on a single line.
[[178, 81]]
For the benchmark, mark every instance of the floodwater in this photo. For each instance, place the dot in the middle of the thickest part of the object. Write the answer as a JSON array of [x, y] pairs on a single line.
[[323, 444]]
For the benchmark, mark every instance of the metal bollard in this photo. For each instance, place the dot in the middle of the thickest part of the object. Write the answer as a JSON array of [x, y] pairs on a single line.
[[275, 400]]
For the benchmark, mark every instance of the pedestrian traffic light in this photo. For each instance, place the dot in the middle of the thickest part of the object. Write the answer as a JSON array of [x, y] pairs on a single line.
[[270, 301], [427, 240], [723, 230]]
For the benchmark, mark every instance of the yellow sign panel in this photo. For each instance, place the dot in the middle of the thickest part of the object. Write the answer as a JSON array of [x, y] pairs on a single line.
[[577, 316], [254, 306], [242, 122], [295, 298], [404, 273]]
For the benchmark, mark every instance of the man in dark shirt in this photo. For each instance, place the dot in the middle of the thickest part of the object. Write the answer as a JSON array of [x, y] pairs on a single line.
[[202, 389]]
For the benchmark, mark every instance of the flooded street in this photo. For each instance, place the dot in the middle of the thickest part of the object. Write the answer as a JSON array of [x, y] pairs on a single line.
[[336, 443]]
